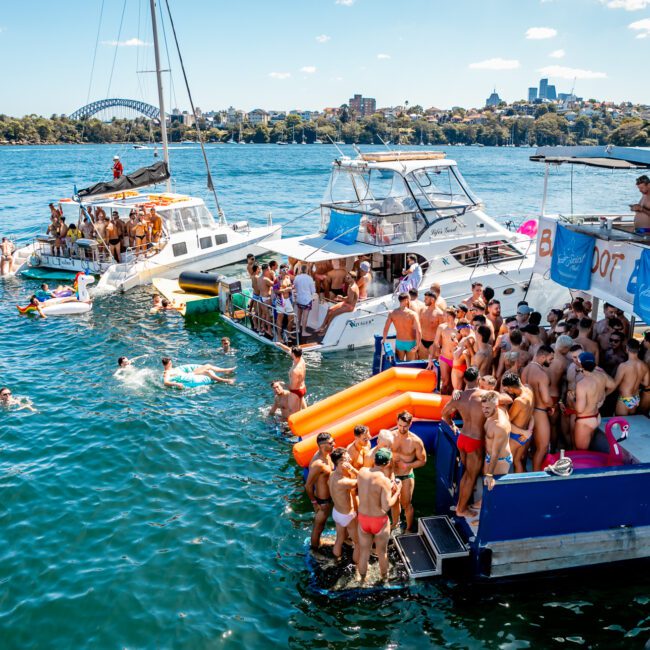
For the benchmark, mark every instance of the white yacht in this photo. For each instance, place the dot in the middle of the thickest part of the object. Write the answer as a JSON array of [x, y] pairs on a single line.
[[191, 239], [383, 206]]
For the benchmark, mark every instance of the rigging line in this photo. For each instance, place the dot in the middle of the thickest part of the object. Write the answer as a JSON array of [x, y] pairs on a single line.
[[117, 45], [196, 122], [92, 67], [172, 91]]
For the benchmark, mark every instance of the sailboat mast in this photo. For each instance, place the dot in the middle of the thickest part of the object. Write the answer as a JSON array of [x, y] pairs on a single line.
[[161, 99]]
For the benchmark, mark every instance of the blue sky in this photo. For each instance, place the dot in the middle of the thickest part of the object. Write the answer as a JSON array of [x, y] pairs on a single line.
[[314, 53]]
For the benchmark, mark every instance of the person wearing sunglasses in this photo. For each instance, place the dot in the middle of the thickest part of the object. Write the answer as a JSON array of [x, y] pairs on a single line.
[[615, 353], [7, 401]]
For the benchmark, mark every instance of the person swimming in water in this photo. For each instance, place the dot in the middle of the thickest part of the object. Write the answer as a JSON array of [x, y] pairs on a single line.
[[8, 401], [174, 377]]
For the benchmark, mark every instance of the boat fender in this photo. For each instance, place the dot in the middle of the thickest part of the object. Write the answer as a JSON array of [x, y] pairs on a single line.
[[34, 260]]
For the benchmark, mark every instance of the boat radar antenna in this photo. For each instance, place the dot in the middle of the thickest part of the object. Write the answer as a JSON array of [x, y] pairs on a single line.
[[210, 183]]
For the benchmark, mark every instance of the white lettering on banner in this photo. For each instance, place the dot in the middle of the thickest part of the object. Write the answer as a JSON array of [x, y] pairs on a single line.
[[572, 261], [614, 264]]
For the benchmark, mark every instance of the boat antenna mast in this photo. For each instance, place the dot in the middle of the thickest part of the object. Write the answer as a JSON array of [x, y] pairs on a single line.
[[161, 98], [383, 142], [222, 217]]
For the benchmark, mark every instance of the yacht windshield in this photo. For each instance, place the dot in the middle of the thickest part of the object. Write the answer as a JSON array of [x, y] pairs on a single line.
[[440, 187]]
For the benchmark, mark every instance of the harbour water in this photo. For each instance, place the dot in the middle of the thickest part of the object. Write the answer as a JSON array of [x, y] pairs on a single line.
[[137, 517]]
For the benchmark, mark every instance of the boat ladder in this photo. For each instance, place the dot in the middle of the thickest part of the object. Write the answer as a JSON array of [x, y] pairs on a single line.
[[424, 552]]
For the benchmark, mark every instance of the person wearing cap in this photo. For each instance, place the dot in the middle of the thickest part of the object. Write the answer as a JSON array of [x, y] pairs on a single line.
[[377, 494], [407, 329], [342, 483], [409, 454], [317, 486], [523, 314], [118, 169], [591, 392], [364, 279], [536, 376], [642, 208], [630, 376]]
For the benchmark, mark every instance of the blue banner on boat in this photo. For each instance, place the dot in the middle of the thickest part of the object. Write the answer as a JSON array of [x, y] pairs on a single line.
[[573, 254], [642, 293], [344, 227]]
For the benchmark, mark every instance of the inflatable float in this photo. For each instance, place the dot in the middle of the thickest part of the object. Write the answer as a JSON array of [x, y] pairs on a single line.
[[64, 306], [374, 402], [187, 377]]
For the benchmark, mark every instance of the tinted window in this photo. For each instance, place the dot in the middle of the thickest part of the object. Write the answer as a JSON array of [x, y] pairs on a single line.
[[220, 239], [205, 242], [179, 249]]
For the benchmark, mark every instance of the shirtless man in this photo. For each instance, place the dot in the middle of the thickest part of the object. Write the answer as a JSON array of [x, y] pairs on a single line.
[[297, 386], [521, 418], [281, 400], [498, 458], [470, 437], [346, 305], [615, 354], [462, 355], [7, 249], [584, 330], [535, 375], [359, 448], [409, 454], [430, 317], [557, 374], [415, 304], [441, 303], [493, 314], [173, 378], [482, 359], [319, 273], [407, 329], [265, 288], [568, 407], [444, 344], [532, 336], [630, 376], [342, 483], [364, 279], [337, 277], [476, 295], [255, 274], [642, 208], [516, 358], [377, 494], [591, 391], [385, 440], [317, 485], [113, 237], [7, 401]]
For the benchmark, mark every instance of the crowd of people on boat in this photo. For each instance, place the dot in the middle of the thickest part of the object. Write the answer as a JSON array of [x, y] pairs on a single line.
[[141, 233]]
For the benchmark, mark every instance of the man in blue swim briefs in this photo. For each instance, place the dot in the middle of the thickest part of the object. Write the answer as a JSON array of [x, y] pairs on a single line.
[[407, 329], [498, 458], [521, 418]]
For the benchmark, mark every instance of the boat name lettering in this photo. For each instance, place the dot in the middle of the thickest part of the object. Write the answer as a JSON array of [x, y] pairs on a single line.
[[361, 323], [448, 230]]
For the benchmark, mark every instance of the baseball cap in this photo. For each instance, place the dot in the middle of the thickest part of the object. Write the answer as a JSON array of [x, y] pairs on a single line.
[[383, 456], [524, 309], [587, 357], [364, 266], [116, 157]]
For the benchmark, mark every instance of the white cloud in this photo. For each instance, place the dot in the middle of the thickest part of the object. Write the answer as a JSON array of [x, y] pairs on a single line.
[[540, 33], [131, 42], [642, 27], [557, 54], [323, 38], [309, 69], [383, 56], [496, 64], [345, 3], [279, 75], [628, 5], [563, 72]]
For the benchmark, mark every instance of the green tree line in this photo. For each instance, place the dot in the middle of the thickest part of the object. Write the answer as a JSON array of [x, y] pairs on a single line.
[[546, 127]]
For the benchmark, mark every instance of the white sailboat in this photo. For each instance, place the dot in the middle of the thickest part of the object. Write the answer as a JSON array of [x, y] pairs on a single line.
[[190, 238]]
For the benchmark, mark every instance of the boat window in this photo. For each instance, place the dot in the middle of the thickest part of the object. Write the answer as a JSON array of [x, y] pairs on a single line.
[[189, 218], [347, 186], [220, 239], [179, 249], [204, 216], [485, 253], [439, 187], [205, 242], [175, 221]]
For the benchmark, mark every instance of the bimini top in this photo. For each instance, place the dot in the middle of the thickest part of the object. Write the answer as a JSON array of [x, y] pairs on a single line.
[[609, 156], [402, 162]]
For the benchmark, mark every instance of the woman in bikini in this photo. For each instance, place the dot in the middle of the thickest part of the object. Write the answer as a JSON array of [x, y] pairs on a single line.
[[113, 237], [140, 234]]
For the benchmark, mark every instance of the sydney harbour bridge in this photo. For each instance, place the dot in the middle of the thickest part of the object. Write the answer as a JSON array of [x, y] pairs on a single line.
[[106, 107]]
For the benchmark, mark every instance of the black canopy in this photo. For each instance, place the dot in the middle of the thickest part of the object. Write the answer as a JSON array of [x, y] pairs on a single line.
[[156, 173]]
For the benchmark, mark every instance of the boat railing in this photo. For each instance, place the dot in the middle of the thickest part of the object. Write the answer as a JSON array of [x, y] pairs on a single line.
[[261, 317]]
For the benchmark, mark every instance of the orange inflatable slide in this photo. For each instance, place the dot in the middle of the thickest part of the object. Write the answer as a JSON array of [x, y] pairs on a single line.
[[374, 402]]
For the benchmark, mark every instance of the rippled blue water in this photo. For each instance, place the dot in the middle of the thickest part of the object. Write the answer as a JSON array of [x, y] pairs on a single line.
[[134, 517]]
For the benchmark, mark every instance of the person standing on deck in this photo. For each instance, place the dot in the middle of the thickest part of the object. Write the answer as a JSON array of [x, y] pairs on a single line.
[[317, 486], [342, 484], [407, 329], [630, 376], [118, 168], [498, 459], [642, 208], [443, 347], [430, 318]]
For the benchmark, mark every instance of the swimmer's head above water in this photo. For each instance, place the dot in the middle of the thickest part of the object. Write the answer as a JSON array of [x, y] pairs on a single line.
[[124, 362], [166, 362]]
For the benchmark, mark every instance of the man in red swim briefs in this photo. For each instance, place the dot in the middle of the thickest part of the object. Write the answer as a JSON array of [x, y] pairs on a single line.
[[470, 439], [377, 494], [297, 386]]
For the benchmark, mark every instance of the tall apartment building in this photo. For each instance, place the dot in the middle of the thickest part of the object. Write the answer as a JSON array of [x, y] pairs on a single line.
[[362, 106]]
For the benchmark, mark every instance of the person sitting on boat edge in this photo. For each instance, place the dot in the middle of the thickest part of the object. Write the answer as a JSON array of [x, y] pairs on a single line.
[[346, 305], [186, 376], [642, 208], [317, 486], [411, 275]]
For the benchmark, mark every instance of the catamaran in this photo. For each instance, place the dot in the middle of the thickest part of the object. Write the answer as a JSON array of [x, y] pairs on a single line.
[[191, 238], [381, 207]]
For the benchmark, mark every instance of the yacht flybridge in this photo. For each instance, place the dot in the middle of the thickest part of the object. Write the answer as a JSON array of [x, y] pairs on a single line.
[[382, 206]]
